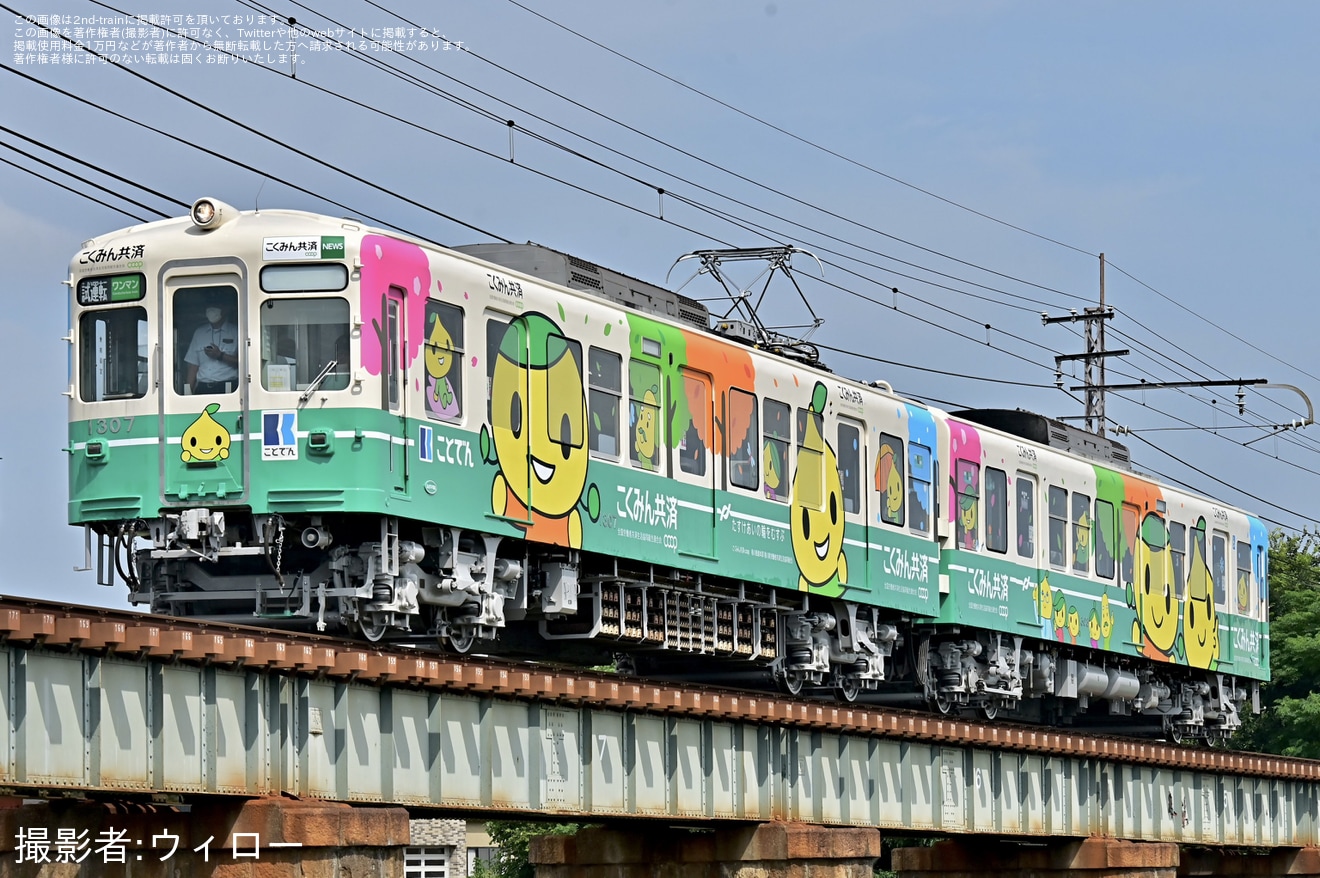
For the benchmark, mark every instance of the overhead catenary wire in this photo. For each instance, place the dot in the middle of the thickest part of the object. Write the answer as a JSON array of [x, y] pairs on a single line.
[[650, 185], [877, 303], [631, 177], [160, 214], [98, 169], [251, 4], [871, 169], [68, 188], [952, 313], [797, 137]]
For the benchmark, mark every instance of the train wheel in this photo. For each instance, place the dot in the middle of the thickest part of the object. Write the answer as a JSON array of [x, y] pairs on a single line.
[[373, 625], [944, 704], [461, 638], [849, 688], [990, 710], [792, 682]]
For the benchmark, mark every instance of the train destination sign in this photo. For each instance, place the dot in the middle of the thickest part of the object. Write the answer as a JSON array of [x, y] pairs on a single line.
[[111, 289]]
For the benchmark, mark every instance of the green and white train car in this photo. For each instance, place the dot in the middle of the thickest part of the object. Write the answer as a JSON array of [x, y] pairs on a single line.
[[286, 418]]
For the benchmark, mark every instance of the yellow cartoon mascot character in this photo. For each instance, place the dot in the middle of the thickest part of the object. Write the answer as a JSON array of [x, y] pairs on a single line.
[[816, 513], [1156, 627], [538, 433], [206, 438], [1200, 619]]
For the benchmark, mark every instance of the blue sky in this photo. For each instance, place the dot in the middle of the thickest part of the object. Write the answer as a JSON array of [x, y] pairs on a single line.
[[1178, 138]]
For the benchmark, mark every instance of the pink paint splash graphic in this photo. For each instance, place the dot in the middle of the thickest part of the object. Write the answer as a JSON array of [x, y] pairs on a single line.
[[387, 263]]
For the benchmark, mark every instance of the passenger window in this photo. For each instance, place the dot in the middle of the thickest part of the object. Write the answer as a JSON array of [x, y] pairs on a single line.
[[1219, 567], [508, 342], [1128, 546], [112, 352], [565, 410], [809, 478], [206, 341], [1242, 582], [692, 445], [1178, 550], [996, 510], [849, 454], [1058, 499], [300, 338], [1198, 549], [645, 425], [1081, 532], [495, 331], [920, 497], [1102, 533], [968, 489], [776, 477], [743, 440], [1026, 516], [605, 379], [442, 351], [889, 481]]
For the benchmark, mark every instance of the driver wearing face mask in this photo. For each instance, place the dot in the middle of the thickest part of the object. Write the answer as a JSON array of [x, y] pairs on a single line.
[[212, 357]]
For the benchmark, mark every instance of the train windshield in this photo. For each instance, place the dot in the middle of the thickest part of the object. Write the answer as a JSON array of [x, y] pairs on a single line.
[[206, 340], [299, 339], [113, 354]]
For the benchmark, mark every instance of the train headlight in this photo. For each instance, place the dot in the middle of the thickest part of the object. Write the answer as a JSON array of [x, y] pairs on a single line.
[[208, 213]]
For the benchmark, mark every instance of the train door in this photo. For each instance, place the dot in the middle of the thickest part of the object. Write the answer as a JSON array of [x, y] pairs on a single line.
[[393, 398], [693, 444], [203, 394]]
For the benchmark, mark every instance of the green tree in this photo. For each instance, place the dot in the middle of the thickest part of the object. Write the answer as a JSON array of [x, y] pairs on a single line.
[[513, 838], [1291, 698]]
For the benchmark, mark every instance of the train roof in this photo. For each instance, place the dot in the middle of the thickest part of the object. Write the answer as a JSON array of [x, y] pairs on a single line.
[[575, 273], [1049, 432]]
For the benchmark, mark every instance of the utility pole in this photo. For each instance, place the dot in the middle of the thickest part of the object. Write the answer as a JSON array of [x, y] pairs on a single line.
[[1098, 404], [1095, 355], [1094, 358]]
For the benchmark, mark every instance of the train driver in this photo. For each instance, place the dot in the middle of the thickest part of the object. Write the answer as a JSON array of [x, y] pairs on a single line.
[[212, 357]]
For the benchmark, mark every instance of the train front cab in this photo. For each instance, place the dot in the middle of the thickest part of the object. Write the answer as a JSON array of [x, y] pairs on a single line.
[[189, 375]]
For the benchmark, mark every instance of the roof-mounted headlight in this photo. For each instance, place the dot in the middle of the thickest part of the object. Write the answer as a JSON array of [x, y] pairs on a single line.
[[210, 213]]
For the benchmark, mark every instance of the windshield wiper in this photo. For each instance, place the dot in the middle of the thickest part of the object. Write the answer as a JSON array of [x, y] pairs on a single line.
[[316, 382]]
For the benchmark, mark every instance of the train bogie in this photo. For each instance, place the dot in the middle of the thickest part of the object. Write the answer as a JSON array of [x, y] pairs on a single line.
[[283, 417]]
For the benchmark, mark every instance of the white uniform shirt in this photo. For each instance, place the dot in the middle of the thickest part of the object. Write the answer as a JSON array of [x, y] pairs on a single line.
[[209, 369]]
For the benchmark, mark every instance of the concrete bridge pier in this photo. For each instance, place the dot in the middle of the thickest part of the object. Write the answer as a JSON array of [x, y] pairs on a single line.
[[1281, 862], [215, 838], [768, 850], [1088, 858]]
